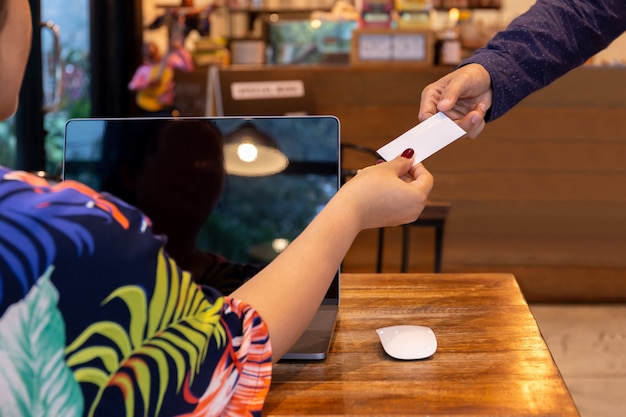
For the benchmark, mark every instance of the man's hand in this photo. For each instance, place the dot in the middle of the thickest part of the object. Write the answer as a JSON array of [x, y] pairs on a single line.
[[464, 95]]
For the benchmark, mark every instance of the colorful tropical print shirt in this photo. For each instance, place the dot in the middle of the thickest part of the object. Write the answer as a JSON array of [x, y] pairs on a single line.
[[97, 320]]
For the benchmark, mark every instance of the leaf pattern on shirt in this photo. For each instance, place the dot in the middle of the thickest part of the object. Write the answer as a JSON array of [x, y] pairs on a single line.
[[172, 324], [30, 218], [33, 373], [143, 338]]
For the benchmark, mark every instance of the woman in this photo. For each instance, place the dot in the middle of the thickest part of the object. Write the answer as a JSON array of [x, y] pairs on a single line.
[[97, 319]]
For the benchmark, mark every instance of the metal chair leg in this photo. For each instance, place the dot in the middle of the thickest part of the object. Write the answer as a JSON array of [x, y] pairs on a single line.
[[379, 258]]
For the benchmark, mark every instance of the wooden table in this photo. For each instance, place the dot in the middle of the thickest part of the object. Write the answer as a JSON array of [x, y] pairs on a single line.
[[491, 358]]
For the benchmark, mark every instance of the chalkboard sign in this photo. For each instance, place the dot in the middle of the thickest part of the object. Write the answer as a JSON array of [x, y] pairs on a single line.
[[244, 92], [192, 92]]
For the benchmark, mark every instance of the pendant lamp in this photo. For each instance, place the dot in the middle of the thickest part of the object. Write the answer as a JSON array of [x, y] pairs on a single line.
[[250, 152]]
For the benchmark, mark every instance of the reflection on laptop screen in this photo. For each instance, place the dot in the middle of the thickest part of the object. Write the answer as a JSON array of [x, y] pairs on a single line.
[[257, 214], [261, 214]]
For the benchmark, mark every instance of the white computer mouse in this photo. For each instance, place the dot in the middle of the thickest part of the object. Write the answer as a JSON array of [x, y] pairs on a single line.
[[408, 341]]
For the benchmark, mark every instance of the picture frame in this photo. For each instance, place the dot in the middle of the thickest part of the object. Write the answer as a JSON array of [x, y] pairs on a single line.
[[392, 46]]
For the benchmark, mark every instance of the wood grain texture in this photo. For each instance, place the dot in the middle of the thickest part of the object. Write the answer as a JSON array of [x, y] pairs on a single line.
[[540, 192], [491, 358]]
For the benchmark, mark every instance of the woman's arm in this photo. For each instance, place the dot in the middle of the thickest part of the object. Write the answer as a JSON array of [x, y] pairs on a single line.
[[289, 290]]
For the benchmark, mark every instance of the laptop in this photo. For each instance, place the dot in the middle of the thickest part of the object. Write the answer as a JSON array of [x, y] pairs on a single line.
[[257, 214]]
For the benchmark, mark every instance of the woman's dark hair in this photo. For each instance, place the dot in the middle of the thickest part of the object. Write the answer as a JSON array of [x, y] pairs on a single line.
[[128, 144], [3, 13]]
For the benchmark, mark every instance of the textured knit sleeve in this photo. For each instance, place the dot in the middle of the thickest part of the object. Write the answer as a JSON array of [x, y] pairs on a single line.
[[539, 46]]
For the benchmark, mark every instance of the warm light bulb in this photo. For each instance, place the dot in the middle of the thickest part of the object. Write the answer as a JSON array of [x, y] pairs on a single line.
[[247, 152], [316, 23], [453, 14]]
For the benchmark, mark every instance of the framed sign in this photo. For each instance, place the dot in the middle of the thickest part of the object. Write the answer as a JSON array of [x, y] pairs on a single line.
[[392, 46], [375, 47]]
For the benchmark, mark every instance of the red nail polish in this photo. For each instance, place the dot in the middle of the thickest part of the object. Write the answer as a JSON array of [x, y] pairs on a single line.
[[408, 153]]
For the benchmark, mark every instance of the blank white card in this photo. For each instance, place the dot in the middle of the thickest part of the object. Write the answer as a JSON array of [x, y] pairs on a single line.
[[425, 139]]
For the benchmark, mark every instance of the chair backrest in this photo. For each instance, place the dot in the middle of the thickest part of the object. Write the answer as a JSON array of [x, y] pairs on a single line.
[[355, 157]]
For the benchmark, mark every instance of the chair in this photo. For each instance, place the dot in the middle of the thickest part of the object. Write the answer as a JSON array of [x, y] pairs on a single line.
[[434, 213]]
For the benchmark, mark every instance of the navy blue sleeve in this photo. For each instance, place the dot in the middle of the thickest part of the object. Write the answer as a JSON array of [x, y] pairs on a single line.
[[549, 40]]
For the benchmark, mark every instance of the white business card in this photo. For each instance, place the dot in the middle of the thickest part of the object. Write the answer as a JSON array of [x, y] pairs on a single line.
[[425, 139]]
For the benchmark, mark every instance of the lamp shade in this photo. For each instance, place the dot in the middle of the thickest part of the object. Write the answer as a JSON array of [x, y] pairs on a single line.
[[251, 152]]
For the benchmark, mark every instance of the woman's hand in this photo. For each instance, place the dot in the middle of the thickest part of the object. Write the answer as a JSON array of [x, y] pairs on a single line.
[[389, 193]]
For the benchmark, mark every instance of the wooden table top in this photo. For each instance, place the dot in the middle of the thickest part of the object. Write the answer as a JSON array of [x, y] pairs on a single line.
[[491, 359]]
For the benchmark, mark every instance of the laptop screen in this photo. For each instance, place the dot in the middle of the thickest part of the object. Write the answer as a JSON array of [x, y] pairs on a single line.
[[259, 211]]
